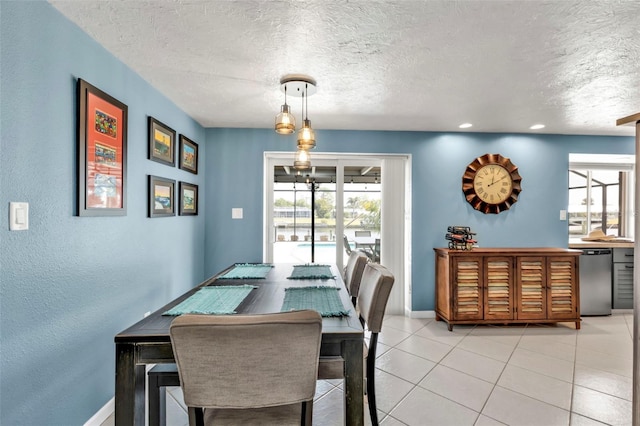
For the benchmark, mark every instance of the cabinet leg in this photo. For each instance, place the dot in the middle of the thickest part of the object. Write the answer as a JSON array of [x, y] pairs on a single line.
[[450, 327], [577, 325]]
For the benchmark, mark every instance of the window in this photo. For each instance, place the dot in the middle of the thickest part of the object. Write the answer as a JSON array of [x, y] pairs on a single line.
[[600, 194]]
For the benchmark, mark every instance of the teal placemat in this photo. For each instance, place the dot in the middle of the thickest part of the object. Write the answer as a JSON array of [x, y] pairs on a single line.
[[215, 300], [243, 271], [325, 300], [311, 272]]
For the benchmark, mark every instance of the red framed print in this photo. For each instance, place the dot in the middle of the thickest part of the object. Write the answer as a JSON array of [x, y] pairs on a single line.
[[188, 199], [161, 200], [102, 153], [188, 155], [162, 142]]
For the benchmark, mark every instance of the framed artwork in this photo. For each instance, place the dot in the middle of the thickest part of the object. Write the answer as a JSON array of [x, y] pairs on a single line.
[[161, 200], [188, 199], [101, 153], [188, 155], [162, 140]]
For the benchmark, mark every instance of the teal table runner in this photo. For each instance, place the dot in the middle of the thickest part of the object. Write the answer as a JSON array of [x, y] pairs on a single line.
[[243, 271], [325, 300], [311, 272], [214, 300]]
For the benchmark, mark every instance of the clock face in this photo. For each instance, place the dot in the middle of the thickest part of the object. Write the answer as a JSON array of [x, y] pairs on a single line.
[[491, 183]]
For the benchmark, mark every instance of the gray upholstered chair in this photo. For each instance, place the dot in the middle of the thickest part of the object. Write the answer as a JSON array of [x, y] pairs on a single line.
[[248, 369], [353, 273], [375, 288]]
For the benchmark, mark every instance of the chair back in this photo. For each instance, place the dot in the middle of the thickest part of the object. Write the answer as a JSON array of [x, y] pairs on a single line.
[[362, 233], [247, 361], [375, 289], [353, 271], [347, 247]]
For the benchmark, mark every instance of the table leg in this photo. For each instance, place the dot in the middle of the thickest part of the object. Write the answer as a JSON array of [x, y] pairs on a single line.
[[130, 387], [353, 383]]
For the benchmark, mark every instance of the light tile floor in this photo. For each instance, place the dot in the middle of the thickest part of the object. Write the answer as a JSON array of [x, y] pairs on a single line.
[[489, 375]]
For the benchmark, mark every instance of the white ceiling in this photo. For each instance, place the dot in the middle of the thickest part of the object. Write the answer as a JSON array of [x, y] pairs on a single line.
[[384, 65]]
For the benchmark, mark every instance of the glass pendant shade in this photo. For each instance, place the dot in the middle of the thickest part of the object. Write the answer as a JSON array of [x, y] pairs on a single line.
[[302, 160], [306, 136], [285, 121]]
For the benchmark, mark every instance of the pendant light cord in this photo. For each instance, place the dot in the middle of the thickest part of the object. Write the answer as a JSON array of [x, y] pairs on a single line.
[[302, 112], [306, 110]]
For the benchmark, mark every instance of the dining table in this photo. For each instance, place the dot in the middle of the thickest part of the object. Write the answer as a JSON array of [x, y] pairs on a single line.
[[148, 342]]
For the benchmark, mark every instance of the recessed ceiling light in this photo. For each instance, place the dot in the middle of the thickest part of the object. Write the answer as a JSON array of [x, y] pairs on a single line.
[[537, 126], [465, 125]]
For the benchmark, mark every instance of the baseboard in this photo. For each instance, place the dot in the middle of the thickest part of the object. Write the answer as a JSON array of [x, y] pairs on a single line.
[[102, 414], [622, 311], [420, 314]]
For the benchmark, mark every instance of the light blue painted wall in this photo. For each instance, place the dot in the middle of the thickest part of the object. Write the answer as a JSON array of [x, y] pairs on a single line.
[[69, 284], [235, 160]]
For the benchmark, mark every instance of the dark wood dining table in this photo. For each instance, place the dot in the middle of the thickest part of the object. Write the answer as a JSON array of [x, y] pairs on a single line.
[[148, 341]]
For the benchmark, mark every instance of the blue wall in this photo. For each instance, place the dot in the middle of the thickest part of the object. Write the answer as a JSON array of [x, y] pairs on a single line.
[[69, 284], [235, 160]]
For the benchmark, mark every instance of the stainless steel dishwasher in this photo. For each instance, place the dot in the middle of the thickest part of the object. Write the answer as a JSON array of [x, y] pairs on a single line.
[[595, 281]]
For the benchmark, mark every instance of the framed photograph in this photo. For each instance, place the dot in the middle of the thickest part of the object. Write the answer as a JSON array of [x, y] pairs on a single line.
[[188, 155], [188, 199], [161, 197], [101, 154], [162, 143]]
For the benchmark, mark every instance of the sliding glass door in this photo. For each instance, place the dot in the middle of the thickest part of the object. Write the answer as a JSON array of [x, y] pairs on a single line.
[[344, 202], [304, 212]]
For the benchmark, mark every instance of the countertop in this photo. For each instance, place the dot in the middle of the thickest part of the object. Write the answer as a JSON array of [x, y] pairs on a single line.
[[577, 243]]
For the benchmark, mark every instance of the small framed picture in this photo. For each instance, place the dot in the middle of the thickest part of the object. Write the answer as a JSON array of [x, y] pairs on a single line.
[[161, 200], [188, 155], [188, 199], [162, 140]]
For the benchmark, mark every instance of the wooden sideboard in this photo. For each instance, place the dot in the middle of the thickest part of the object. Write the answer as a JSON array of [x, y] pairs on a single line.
[[507, 285]]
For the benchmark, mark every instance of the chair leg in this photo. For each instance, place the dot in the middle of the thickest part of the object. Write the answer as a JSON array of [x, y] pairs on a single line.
[[307, 413], [157, 406], [371, 383]]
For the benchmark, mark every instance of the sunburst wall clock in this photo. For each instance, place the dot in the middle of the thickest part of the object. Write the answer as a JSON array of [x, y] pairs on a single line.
[[491, 183]]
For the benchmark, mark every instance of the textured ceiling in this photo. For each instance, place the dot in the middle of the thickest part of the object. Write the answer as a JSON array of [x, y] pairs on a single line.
[[384, 65]]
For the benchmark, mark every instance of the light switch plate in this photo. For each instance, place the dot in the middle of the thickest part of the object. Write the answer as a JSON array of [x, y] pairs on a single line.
[[563, 215], [18, 216], [236, 213]]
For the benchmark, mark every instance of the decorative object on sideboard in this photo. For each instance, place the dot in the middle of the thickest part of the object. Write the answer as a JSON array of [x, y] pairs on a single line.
[[460, 237], [491, 183]]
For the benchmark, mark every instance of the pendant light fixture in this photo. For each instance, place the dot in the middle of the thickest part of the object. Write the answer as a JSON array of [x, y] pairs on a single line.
[[285, 121], [302, 160], [303, 86], [306, 135]]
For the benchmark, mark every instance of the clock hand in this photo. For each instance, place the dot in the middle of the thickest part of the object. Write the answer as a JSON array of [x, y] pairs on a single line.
[[492, 182]]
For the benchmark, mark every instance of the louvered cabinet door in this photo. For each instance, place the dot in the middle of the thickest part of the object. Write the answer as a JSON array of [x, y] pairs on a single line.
[[531, 289], [562, 291], [498, 290], [467, 288]]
